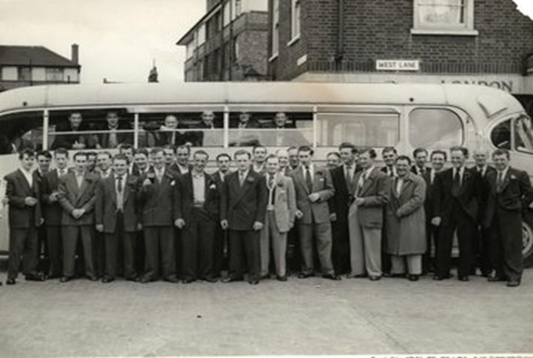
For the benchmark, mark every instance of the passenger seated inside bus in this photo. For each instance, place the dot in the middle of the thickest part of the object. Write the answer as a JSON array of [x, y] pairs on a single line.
[[245, 127], [73, 137], [282, 132], [111, 138], [524, 134], [168, 133], [211, 134]]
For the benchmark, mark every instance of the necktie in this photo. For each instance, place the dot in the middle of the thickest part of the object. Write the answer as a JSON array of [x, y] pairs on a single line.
[[159, 176], [391, 172], [119, 184], [348, 176], [241, 178], [456, 184], [499, 182], [399, 184], [120, 196], [270, 181], [308, 180], [361, 183]]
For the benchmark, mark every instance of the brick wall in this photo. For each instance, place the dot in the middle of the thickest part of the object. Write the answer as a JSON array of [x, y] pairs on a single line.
[[381, 29]]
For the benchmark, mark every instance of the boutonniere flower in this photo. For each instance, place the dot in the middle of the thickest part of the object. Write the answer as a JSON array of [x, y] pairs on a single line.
[[212, 186], [280, 184], [150, 175], [172, 183], [513, 177], [250, 179], [319, 173]]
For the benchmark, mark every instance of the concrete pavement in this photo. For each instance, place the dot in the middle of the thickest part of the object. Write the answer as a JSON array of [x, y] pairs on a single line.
[[310, 317]]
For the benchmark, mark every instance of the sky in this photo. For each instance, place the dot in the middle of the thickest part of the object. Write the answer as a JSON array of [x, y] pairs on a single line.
[[119, 39]]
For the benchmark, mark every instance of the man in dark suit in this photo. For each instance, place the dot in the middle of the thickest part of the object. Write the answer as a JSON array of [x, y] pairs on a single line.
[[243, 210], [221, 235], [259, 154], [293, 238], [313, 188], [243, 133], [128, 151], [24, 219], [210, 134], [438, 159], [420, 155], [343, 182], [53, 212], [181, 164], [482, 239], [510, 193], [366, 217], [77, 195], [44, 158], [456, 210], [115, 132], [282, 131], [333, 160], [76, 139], [104, 164], [169, 133], [157, 207], [116, 218], [197, 215], [140, 159]]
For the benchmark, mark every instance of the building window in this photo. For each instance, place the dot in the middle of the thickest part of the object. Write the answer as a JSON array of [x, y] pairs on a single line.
[[295, 20], [201, 35], [24, 73], [238, 8], [444, 17], [54, 74], [227, 13], [275, 28]]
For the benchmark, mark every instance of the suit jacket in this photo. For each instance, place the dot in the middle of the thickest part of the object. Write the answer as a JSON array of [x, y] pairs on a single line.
[[68, 140], [318, 211], [284, 201], [414, 169], [52, 211], [386, 171], [163, 138], [467, 198], [343, 198], [515, 193], [71, 197], [175, 168], [242, 206], [184, 197], [429, 203], [106, 204], [18, 189], [103, 139], [375, 191], [484, 191], [157, 199]]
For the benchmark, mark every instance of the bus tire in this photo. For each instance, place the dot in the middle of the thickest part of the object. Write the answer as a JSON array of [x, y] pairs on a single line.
[[527, 238]]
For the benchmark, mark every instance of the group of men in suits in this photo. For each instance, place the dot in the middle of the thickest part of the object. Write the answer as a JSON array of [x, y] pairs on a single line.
[[156, 215]]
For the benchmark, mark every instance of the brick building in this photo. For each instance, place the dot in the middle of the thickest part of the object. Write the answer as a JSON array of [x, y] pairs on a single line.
[[36, 65], [484, 42], [229, 43]]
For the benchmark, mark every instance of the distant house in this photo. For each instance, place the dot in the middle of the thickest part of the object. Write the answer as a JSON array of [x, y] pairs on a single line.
[[36, 65]]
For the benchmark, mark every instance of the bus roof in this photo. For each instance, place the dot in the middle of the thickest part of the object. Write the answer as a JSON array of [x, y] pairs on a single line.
[[468, 97]]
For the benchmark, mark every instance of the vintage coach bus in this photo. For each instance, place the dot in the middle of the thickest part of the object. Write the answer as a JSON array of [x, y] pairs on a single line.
[[323, 115]]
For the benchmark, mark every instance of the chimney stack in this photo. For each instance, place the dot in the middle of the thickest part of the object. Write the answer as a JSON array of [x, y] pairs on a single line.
[[75, 54]]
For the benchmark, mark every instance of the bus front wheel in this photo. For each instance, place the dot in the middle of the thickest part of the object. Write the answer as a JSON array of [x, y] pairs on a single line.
[[527, 238]]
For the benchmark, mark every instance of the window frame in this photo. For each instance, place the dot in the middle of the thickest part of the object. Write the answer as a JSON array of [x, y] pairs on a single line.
[[464, 125], [466, 29], [296, 21], [274, 46]]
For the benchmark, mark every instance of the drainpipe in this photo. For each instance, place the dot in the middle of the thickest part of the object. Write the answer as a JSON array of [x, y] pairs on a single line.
[[339, 55]]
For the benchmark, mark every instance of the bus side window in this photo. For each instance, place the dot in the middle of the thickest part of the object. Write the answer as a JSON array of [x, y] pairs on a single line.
[[433, 128], [20, 131], [90, 129], [501, 135], [523, 134]]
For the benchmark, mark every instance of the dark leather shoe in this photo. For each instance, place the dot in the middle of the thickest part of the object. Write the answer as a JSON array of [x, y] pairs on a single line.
[[108, 279], [11, 281], [281, 278], [188, 280], [35, 277], [172, 279], [397, 275], [132, 278], [413, 278], [92, 278], [364, 275], [513, 283], [463, 278], [374, 278], [253, 282], [496, 279], [305, 275], [232, 279], [64, 279], [438, 278], [146, 279], [331, 277], [210, 279], [265, 277]]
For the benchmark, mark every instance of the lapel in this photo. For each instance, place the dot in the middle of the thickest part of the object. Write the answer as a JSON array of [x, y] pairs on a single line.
[[111, 184], [72, 185], [301, 179], [408, 181], [24, 182], [84, 185], [246, 185], [317, 175], [368, 182], [506, 180]]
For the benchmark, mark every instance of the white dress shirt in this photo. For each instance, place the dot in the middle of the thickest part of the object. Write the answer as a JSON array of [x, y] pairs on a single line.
[[28, 176]]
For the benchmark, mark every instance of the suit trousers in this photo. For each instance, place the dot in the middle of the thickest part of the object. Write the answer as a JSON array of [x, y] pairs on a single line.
[[432, 234], [112, 242], [220, 250], [505, 250], [322, 232], [481, 250], [54, 243], [22, 245], [413, 263], [71, 235], [365, 247], [244, 245], [340, 246], [272, 238], [99, 254], [159, 239], [465, 227], [198, 238]]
